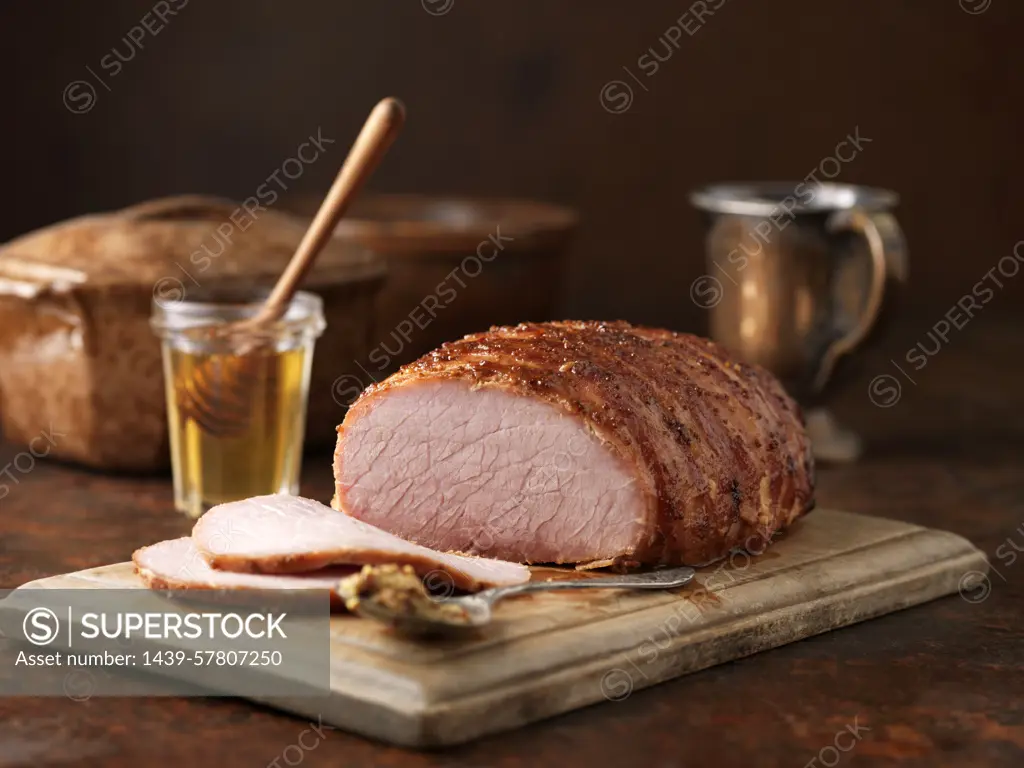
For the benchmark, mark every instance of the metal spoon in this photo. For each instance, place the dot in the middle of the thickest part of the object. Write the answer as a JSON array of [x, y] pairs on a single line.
[[475, 610]]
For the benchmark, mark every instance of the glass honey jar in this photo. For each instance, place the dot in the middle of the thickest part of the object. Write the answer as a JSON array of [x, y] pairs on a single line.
[[236, 403]]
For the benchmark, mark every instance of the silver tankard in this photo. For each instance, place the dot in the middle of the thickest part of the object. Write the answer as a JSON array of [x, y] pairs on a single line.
[[797, 274]]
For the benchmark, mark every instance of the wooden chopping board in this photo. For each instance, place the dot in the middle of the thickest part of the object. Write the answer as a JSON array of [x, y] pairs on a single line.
[[551, 653]]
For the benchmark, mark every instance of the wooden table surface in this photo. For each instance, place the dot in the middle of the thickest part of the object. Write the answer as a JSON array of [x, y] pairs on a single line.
[[940, 684]]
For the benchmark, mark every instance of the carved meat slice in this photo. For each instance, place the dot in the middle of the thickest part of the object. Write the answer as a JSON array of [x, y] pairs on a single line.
[[177, 564], [288, 534]]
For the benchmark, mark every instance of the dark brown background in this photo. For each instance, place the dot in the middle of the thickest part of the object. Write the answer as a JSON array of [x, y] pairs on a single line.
[[503, 99]]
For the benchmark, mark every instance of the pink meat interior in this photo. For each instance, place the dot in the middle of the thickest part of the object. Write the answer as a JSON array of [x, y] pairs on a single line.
[[486, 472]]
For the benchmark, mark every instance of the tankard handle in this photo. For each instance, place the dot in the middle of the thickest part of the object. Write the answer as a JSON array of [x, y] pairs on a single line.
[[888, 251]]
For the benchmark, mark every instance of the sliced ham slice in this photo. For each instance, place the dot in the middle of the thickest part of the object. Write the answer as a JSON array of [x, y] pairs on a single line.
[[288, 534], [177, 564]]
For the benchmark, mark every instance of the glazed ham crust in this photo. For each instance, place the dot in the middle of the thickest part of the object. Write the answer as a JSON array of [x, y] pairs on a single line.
[[714, 450]]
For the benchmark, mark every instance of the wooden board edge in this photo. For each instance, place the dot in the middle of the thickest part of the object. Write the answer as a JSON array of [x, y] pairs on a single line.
[[623, 630], [445, 723], [456, 720], [73, 580]]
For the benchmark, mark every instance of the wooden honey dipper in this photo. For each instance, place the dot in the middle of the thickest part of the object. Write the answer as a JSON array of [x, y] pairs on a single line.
[[218, 395]]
